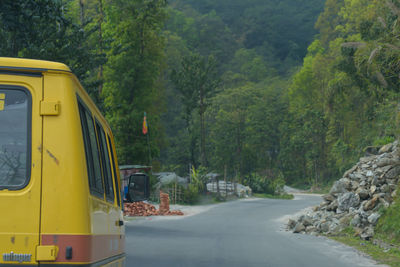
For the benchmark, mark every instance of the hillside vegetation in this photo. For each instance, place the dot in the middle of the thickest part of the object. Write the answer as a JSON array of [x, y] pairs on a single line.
[[265, 91]]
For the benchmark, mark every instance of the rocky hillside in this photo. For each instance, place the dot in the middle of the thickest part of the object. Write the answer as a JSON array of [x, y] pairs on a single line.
[[355, 199]]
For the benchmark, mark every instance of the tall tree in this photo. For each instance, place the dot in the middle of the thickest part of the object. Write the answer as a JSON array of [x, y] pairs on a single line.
[[132, 75], [39, 29], [197, 80]]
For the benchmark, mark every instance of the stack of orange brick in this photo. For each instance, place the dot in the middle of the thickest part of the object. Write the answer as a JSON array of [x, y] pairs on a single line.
[[144, 209], [164, 202], [139, 209]]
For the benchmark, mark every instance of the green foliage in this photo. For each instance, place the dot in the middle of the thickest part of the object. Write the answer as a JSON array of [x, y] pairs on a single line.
[[39, 29], [389, 224], [196, 80], [191, 194], [131, 76], [264, 184], [342, 98], [389, 257], [198, 178], [221, 82], [384, 140]]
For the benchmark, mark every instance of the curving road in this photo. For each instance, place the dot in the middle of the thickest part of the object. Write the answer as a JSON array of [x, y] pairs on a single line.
[[241, 233]]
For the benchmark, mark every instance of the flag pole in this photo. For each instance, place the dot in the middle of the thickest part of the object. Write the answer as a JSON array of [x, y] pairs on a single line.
[[148, 145], [146, 132]]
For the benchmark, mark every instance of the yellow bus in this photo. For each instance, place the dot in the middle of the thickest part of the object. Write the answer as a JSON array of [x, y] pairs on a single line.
[[60, 199]]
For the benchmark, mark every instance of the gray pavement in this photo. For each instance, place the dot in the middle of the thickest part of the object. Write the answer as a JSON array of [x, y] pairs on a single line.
[[244, 233]]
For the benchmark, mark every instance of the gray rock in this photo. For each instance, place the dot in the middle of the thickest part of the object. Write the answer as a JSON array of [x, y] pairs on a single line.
[[352, 169], [348, 200], [311, 229], [386, 168], [358, 176], [367, 233], [385, 161], [356, 221], [365, 166], [354, 185], [385, 188], [333, 206], [341, 186], [369, 174], [370, 204], [362, 193], [393, 173], [299, 228], [367, 159], [373, 218], [328, 198], [385, 149], [334, 227], [324, 227], [346, 219], [372, 189], [305, 220], [291, 224]]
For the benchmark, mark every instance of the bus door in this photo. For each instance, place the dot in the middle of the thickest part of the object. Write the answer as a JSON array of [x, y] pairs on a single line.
[[20, 166]]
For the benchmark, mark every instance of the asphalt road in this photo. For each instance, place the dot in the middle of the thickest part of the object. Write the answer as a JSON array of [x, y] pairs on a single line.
[[241, 233]]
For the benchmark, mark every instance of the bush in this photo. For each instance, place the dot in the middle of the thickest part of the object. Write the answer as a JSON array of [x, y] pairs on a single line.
[[191, 194], [384, 140], [263, 184]]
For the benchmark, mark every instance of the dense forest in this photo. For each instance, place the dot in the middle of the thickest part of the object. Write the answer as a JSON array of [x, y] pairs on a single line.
[[272, 89]]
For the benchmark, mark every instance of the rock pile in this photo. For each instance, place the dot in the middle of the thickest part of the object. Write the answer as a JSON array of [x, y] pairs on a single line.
[[355, 199], [144, 209]]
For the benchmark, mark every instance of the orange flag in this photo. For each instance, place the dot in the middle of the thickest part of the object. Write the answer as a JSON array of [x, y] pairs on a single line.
[[144, 129]]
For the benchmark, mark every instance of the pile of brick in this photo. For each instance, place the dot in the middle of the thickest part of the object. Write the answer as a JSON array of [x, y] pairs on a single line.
[[139, 209], [144, 209], [164, 202]]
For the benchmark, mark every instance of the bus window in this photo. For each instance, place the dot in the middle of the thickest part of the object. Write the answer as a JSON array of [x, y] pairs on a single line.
[[114, 172], [106, 164], [14, 138], [92, 153]]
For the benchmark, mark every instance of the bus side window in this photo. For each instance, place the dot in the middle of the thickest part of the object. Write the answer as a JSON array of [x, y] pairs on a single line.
[[106, 164], [92, 152], [117, 190]]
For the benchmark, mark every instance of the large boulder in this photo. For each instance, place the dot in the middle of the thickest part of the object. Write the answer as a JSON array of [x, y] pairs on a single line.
[[393, 173], [348, 200], [386, 148], [341, 186], [299, 228]]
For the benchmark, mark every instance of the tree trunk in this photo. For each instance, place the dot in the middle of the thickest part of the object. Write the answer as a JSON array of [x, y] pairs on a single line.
[[81, 5], [101, 19], [203, 131], [226, 184]]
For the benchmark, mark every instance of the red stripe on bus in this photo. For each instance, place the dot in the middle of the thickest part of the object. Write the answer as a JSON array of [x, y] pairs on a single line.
[[86, 248]]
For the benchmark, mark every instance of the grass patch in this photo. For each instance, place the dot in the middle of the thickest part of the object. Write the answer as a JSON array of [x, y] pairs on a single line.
[[390, 256], [282, 196], [388, 228]]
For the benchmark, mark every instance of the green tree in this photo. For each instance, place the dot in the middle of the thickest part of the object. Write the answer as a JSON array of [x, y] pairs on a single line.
[[196, 80], [39, 29], [132, 76]]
